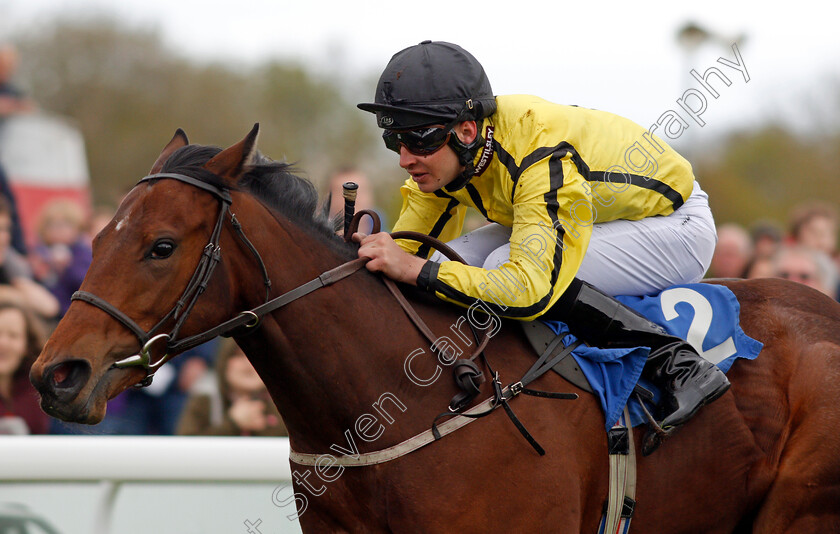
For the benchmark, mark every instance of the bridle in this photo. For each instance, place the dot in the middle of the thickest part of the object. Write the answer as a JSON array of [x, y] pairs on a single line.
[[210, 258], [249, 318]]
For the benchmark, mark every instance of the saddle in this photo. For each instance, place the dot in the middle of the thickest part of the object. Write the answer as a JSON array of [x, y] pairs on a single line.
[[540, 337]]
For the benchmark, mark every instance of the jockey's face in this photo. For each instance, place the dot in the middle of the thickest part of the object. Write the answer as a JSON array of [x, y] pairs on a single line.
[[438, 169]]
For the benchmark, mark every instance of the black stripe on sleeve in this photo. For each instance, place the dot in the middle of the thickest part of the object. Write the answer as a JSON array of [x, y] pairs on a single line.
[[555, 173]]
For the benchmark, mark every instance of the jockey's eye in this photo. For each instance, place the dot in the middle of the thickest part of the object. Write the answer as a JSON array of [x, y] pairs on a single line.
[[162, 249]]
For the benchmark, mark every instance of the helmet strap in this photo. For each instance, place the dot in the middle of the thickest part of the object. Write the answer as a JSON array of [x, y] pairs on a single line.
[[466, 156]]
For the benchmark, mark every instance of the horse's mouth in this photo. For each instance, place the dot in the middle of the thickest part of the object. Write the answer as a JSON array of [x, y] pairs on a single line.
[[87, 409], [71, 413]]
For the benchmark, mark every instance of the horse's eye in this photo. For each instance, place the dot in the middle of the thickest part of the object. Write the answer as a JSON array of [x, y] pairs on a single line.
[[163, 249]]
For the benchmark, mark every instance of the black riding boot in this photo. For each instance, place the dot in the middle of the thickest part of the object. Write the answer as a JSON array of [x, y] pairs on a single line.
[[687, 380]]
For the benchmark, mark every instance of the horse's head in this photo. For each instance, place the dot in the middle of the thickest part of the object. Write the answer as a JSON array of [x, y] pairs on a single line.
[[149, 267]]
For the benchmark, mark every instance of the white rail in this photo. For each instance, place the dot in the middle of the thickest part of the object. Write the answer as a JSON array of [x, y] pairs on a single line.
[[113, 460], [143, 458]]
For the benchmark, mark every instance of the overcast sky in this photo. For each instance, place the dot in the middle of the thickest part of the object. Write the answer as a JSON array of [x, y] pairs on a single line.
[[617, 56]]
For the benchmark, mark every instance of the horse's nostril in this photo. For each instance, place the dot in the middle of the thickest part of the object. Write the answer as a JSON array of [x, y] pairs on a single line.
[[67, 378], [60, 373]]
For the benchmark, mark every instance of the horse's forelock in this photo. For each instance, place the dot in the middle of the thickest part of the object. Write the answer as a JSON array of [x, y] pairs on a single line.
[[190, 156]]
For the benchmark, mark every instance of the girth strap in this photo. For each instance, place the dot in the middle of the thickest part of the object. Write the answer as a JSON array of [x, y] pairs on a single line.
[[548, 359], [621, 497]]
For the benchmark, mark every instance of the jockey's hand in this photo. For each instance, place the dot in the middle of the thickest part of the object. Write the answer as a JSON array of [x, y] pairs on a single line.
[[388, 258]]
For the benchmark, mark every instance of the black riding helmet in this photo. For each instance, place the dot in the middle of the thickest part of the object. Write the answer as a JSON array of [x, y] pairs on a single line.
[[434, 82]]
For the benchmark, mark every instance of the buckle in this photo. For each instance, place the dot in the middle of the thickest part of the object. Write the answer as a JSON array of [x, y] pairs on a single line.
[[516, 388], [628, 507], [618, 440], [255, 319]]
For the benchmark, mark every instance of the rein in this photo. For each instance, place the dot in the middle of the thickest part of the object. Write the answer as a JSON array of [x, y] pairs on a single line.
[[249, 318], [196, 286]]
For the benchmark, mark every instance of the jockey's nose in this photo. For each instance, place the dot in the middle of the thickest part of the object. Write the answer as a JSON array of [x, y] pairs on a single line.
[[406, 158]]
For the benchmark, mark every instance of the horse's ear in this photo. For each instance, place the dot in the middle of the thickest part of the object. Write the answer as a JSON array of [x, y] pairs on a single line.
[[178, 140], [231, 162]]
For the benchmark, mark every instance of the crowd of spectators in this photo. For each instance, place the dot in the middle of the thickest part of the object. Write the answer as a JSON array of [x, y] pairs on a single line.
[[805, 251], [37, 280]]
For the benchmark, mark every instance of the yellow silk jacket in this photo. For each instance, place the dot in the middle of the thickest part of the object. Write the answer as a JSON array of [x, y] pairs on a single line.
[[548, 172]]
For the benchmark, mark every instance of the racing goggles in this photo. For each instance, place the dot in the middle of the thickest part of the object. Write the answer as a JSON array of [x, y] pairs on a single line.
[[420, 141]]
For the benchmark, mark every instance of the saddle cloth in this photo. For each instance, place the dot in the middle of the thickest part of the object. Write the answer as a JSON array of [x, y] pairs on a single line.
[[705, 315]]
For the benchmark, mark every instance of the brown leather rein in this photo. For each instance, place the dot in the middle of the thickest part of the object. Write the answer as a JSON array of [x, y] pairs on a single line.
[[248, 318]]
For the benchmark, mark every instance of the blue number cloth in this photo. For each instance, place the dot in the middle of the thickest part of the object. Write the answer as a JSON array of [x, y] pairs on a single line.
[[706, 315]]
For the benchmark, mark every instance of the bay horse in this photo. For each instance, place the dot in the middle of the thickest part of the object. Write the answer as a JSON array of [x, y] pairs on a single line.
[[350, 372]]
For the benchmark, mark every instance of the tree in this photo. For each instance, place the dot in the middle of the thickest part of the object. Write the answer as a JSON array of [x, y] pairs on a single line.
[[128, 92], [763, 173]]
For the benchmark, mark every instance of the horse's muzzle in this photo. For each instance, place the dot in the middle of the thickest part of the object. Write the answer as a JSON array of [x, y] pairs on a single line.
[[60, 384]]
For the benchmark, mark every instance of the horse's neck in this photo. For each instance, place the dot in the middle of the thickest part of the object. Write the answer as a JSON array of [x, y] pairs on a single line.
[[330, 356]]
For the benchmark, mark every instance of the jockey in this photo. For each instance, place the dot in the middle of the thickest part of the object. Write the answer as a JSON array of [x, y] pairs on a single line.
[[575, 198]]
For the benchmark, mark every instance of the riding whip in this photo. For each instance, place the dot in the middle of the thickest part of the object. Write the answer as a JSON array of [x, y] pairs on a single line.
[[349, 190]]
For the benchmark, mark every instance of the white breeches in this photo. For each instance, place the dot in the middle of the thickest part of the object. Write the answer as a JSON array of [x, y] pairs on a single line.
[[624, 257]]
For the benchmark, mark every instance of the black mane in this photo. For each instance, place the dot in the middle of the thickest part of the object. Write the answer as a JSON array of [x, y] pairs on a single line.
[[274, 183]]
